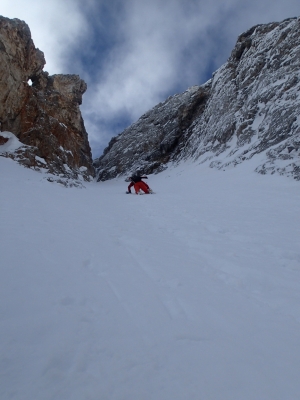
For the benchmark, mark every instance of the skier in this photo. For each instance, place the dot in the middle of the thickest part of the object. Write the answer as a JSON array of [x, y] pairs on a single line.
[[136, 181]]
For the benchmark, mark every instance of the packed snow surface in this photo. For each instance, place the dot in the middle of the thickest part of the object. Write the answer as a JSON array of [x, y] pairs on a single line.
[[192, 293]]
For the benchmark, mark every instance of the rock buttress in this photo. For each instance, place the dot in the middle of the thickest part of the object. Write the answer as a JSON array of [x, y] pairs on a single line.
[[46, 114]]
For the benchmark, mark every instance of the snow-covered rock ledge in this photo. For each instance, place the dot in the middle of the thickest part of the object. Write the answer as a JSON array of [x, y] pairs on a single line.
[[30, 157]]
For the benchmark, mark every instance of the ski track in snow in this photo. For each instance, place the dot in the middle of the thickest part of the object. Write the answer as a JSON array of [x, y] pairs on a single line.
[[191, 293]]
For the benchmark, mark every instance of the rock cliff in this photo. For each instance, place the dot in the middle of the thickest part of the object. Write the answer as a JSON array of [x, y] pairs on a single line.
[[250, 106], [41, 110]]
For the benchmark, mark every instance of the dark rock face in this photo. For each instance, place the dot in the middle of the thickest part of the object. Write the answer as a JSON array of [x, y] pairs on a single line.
[[154, 138], [250, 106], [46, 115]]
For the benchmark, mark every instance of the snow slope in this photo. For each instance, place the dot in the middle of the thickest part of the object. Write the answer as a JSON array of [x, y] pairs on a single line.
[[192, 293]]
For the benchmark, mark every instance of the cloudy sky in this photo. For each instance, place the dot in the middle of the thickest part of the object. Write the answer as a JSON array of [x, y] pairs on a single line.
[[135, 53]]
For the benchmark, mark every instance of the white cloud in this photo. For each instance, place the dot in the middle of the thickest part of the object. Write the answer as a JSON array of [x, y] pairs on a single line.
[[55, 26]]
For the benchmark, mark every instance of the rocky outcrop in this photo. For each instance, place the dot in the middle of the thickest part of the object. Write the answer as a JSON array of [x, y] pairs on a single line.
[[41, 110], [250, 106]]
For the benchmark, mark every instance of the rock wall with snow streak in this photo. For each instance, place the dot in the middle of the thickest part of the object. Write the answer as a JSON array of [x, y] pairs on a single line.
[[251, 105]]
